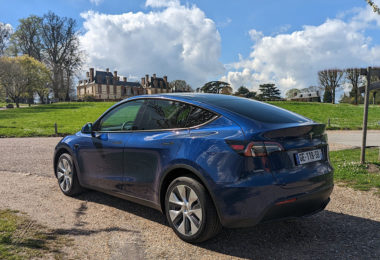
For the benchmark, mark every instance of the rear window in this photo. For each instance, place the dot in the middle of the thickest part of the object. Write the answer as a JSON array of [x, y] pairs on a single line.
[[258, 111]]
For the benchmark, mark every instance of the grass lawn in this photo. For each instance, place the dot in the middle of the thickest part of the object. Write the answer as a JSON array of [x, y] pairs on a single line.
[[349, 171], [342, 116], [22, 238], [39, 120]]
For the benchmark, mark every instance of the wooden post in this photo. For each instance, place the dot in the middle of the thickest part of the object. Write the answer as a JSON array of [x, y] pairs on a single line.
[[55, 128], [365, 117]]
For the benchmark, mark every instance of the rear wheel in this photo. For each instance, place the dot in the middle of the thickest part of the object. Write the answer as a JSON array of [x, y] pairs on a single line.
[[190, 210], [67, 176]]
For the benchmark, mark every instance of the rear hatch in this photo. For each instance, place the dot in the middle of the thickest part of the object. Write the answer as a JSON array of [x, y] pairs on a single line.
[[304, 145]]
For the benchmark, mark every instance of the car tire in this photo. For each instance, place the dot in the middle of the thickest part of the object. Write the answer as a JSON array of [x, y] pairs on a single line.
[[190, 211], [67, 176]]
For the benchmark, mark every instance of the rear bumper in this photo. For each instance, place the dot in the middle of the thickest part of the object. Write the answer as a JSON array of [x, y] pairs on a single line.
[[260, 198]]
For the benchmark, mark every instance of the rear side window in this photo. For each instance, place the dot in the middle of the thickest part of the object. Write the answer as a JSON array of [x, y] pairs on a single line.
[[163, 114], [159, 114], [199, 116]]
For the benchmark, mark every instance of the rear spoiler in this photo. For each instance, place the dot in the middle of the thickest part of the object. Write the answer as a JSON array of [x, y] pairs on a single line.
[[298, 131]]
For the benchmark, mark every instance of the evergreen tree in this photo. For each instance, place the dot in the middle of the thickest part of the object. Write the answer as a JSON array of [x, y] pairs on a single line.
[[269, 92]]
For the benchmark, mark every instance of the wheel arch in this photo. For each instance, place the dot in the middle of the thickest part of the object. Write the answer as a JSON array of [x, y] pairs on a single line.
[[181, 171], [61, 150]]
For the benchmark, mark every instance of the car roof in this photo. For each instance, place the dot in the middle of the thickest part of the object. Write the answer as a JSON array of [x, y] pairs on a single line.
[[207, 98]]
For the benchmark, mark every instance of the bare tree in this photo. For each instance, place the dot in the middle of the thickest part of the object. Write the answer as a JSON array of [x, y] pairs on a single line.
[[60, 44], [330, 80], [354, 78], [27, 37], [180, 86], [5, 34], [374, 6]]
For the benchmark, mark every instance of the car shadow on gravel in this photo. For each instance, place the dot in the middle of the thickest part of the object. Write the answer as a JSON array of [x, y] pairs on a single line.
[[326, 235]]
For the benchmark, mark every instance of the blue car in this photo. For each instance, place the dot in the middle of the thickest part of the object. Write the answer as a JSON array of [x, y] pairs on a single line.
[[204, 160]]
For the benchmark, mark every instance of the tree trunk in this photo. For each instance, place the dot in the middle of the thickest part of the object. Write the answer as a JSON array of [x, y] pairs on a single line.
[[356, 95], [333, 96], [17, 101]]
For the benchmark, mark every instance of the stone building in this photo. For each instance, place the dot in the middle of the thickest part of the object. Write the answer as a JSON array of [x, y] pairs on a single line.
[[307, 97], [155, 85], [103, 85]]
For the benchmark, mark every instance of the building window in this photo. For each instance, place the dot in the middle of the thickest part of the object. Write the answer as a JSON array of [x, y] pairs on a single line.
[[100, 89], [108, 89], [114, 90]]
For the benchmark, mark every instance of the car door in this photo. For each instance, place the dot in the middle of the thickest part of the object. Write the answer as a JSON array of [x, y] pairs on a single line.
[[159, 135], [100, 154]]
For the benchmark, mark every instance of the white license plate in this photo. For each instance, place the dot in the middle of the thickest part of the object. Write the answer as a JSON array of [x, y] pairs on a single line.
[[309, 156]]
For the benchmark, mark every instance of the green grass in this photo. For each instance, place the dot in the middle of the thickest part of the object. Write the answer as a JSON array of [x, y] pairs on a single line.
[[342, 116], [348, 170], [22, 238], [39, 120]]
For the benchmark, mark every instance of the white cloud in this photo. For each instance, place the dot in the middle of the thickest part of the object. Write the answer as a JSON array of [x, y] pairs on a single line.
[[162, 3], [293, 59], [177, 41], [96, 2]]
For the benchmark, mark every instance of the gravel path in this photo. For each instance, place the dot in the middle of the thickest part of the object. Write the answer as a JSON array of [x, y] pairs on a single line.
[[105, 227]]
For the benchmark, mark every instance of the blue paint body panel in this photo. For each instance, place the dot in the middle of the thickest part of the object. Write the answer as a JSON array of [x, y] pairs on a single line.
[[246, 190]]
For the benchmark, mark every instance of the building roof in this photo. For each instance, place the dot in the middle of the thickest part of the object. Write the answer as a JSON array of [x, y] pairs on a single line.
[[100, 77]]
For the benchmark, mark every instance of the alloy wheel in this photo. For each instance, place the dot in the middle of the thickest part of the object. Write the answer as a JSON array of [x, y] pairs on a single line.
[[185, 210], [64, 174]]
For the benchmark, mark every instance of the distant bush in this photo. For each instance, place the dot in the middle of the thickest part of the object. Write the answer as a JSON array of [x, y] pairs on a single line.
[[9, 106], [88, 98]]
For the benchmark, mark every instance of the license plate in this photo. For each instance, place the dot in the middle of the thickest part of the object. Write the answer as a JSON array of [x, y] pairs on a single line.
[[309, 156]]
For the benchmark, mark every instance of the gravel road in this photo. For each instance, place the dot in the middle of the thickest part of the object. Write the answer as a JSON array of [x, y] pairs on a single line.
[[104, 227]]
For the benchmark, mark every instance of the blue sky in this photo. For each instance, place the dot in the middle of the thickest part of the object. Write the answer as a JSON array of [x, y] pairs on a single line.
[[247, 42]]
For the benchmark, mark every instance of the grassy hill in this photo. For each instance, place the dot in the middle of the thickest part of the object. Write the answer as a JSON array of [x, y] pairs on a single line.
[[342, 116], [70, 117]]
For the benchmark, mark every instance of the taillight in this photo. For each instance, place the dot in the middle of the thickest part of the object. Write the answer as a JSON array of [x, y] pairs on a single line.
[[262, 149], [257, 149]]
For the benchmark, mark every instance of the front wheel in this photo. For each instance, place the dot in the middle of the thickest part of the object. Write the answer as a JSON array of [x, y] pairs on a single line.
[[67, 176], [190, 210]]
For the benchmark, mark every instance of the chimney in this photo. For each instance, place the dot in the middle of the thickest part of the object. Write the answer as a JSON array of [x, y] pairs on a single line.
[[154, 75], [147, 79], [125, 79], [107, 70], [87, 74], [115, 74], [108, 80], [152, 81], [166, 79], [143, 82], [91, 74]]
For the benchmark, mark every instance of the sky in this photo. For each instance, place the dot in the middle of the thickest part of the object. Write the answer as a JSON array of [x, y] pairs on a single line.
[[243, 42]]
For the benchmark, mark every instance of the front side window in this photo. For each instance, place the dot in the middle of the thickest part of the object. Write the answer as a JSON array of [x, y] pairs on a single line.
[[121, 118]]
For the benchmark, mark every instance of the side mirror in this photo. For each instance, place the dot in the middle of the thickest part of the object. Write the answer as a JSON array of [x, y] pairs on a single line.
[[87, 128]]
